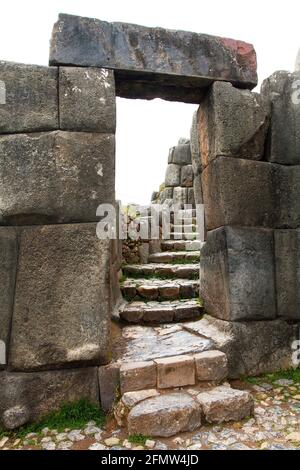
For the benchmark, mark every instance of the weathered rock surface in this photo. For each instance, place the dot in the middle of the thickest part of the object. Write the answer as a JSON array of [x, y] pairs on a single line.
[[77, 177], [29, 98], [187, 176], [28, 397], [172, 175], [223, 404], [178, 69], [165, 415], [147, 343], [232, 123], [283, 91], [137, 376], [8, 267], [252, 348], [211, 366], [61, 314], [287, 263], [240, 192], [181, 154], [237, 274], [87, 100], [109, 380], [177, 371]]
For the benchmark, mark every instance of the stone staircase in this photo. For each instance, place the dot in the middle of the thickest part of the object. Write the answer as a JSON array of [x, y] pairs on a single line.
[[171, 377]]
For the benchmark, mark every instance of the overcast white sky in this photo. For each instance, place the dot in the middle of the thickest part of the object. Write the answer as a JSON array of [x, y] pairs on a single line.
[[147, 129]]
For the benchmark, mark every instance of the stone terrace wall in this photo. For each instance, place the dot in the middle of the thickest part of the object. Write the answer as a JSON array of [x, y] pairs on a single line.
[[57, 280]]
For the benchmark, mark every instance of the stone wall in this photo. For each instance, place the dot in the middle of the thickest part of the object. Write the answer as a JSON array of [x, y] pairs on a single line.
[[58, 280], [249, 147]]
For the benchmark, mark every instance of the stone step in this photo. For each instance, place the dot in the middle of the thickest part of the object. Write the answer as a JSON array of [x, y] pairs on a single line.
[[159, 289], [175, 256], [184, 228], [166, 271], [164, 414], [160, 312], [184, 236], [181, 245], [207, 367]]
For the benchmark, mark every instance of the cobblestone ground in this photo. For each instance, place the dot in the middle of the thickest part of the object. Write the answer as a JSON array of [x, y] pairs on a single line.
[[275, 426]]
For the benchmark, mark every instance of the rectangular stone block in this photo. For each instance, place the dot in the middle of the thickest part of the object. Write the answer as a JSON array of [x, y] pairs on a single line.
[[177, 371], [144, 70], [288, 196], [27, 397], [287, 259], [181, 154], [55, 177], [109, 382], [187, 176], [237, 274], [282, 90], [8, 267], [62, 305], [211, 366], [87, 99], [137, 376], [232, 123], [240, 192], [172, 177], [29, 98]]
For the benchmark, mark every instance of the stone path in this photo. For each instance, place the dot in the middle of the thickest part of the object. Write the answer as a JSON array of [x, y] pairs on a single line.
[[275, 425], [170, 377]]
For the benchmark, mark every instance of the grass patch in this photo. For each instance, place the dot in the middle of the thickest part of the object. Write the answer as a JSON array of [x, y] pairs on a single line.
[[138, 439], [290, 374], [71, 415]]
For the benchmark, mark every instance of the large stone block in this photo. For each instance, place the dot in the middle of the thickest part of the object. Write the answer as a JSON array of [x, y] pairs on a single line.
[[240, 192], [233, 123], [144, 70], [29, 98], [187, 176], [237, 278], [8, 267], [87, 99], [195, 144], [282, 90], [288, 196], [181, 154], [28, 397], [62, 302], [172, 177], [55, 177], [251, 347], [287, 258]]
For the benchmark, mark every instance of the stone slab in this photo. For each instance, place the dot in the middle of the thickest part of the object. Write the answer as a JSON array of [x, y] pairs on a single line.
[[211, 366], [62, 303], [147, 343], [223, 404], [178, 69], [87, 99], [55, 177], [38, 393], [239, 192], [287, 262], [165, 415], [137, 376], [232, 123], [177, 371], [282, 90], [8, 268], [29, 98], [109, 381], [237, 274], [252, 348]]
